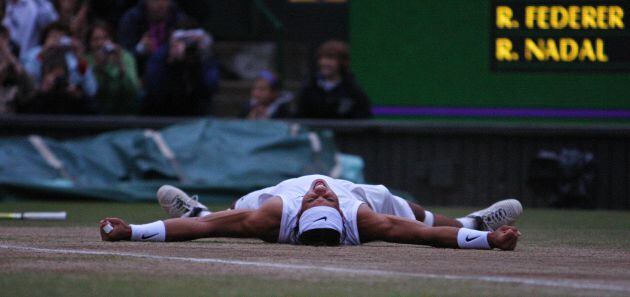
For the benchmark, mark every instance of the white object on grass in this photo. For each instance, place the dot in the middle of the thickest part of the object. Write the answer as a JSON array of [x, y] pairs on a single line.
[[34, 215], [108, 228]]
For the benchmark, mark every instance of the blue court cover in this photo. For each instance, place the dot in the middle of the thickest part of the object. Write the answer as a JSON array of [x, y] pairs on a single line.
[[213, 158]]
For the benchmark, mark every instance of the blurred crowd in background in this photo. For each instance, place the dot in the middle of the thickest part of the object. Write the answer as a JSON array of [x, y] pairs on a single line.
[[147, 57]]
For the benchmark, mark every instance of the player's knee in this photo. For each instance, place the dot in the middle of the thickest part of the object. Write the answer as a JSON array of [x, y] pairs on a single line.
[[417, 210]]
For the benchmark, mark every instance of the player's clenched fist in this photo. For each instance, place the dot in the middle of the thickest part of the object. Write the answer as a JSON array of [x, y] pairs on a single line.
[[504, 238], [114, 229]]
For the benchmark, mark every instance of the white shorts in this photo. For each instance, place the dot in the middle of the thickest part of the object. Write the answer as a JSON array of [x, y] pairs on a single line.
[[382, 201], [378, 197], [254, 199]]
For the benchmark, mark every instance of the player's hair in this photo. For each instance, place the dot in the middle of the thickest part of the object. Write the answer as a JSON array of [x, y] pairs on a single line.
[[320, 237], [338, 50]]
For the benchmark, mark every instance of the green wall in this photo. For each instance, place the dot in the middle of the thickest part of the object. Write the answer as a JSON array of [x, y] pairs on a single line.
[[437, 53]]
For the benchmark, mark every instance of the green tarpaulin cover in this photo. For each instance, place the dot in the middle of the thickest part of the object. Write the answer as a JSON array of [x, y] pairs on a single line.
[[213, 158]]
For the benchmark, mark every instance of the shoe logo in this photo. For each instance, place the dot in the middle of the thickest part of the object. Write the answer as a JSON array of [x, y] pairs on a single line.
[[322, 218], [468, 239], [179, 204], [144, 236]]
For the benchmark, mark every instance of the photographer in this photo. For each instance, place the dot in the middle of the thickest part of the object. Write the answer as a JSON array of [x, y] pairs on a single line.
[[115, 70], [64, 80], [181, 76], [15, 85], [26, 19], [146, 27], [74, 14]]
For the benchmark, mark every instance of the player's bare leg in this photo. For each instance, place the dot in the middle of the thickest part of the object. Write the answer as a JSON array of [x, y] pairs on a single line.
[[504, 212], [438, 219]]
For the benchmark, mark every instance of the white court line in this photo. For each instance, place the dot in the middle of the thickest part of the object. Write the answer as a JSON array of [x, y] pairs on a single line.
[[563, 283]]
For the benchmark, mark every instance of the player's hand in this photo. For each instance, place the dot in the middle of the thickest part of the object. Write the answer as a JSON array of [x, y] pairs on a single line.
[[504, 238], [121, 231]]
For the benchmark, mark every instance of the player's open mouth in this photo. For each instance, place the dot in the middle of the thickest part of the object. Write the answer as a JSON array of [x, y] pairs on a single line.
[[319, 183]]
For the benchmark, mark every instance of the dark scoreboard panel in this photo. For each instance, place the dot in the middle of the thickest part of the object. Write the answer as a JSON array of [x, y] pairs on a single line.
[[494, 58], [575, 35]]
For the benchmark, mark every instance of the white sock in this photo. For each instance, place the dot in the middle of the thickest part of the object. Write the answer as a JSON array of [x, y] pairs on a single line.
[[204, 213], [472, 239], [155, 231], [429, 218], [469, 223]]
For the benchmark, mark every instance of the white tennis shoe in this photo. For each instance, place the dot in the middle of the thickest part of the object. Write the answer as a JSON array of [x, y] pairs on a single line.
[[177, 204], [504, 212]]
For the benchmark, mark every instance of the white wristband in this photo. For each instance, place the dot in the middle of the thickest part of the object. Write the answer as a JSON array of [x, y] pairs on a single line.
[[472, 239], [155, 231]]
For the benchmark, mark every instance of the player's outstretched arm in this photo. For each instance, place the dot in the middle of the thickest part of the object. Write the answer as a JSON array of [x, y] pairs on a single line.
[[262, 223], [373, 226]]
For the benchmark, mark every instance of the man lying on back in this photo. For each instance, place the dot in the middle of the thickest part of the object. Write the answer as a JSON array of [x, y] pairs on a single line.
[[319, 210]]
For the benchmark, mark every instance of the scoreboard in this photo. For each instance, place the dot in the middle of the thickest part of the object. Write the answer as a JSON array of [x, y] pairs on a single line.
[[579, 36], [494, 58]]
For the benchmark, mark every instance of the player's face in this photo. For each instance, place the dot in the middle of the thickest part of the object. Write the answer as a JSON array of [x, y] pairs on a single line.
[[320, 194]]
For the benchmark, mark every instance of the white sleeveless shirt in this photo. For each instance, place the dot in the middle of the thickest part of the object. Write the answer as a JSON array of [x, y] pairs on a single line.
[[292, 191]]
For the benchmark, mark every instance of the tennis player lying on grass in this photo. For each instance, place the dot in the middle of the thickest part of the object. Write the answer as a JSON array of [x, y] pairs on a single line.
[[319, 210]]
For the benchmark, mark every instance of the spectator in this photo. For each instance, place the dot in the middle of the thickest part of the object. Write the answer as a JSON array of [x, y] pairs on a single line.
[[115, 70], [63, 77], [181, 76], [15, 85], [268, 101], [25, 19], [333, 93], [74, 14], [110, 11], [146, 27]]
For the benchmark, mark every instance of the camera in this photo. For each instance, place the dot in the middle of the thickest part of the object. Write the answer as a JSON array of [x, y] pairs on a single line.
[[188, 36], [64, 41], [109, 48]]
